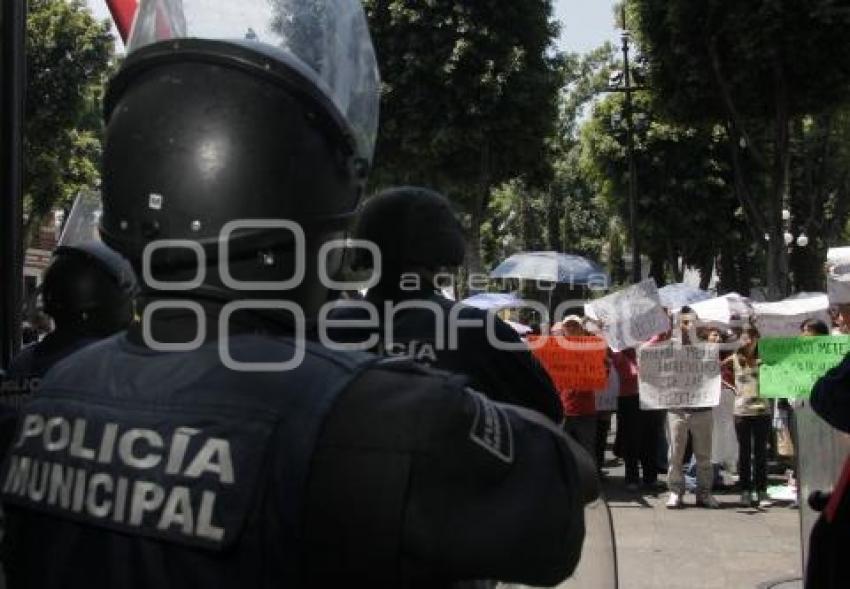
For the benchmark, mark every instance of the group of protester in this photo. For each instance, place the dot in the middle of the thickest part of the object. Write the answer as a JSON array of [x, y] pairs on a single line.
[[692, 440]]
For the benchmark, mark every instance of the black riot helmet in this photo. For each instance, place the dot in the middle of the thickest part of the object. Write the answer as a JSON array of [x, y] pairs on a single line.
[[224, 121], [413, 228], [89, 288]]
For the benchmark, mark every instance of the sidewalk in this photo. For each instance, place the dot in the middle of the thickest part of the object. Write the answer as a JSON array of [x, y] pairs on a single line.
[[695, 548]]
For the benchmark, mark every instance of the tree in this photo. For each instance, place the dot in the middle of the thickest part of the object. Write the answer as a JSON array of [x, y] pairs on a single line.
[[469, 91], [68, 58], [755, 67], [685, 205], [576, 222]]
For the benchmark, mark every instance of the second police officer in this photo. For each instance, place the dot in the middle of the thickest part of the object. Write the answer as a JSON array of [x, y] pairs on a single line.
[[88, 291], [215, 444], [419, 238]]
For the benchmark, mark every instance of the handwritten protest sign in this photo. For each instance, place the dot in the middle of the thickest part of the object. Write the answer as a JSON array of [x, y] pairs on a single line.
[[791, 366], [783, 319], [573, 363], [631, 316], [838, 275], [607, 400], [673, 376]]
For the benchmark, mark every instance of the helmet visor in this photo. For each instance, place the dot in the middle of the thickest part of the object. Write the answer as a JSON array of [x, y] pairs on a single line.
[[326, 40], [83, 221]]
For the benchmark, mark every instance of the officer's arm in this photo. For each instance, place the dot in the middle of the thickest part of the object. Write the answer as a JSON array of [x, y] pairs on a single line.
[[515, 373], [417, 481], [831, 396]]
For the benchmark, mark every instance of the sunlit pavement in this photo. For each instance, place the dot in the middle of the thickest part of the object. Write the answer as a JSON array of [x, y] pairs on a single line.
[[695, 548]]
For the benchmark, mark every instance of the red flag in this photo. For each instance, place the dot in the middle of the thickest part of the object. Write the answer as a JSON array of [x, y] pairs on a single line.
[[123, 13]]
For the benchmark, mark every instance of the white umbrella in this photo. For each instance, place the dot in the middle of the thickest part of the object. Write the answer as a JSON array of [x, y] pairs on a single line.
[[552, 267], [721, 309], [495, 301], [675, 296]]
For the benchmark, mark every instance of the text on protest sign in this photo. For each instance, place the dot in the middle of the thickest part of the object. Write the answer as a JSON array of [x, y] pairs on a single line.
[[607, 399], [791, 366], [673, 376], [631, 316], [573, 363], [838, 275]]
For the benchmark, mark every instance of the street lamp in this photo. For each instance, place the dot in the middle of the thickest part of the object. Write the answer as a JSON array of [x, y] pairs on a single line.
[[801, 240], [622, 81]]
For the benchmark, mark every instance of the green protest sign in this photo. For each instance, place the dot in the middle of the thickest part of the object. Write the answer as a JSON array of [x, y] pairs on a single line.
[[791, 366]]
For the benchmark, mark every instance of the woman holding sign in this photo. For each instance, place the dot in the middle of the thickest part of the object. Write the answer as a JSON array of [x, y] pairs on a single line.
[[752, 421], [580, 420]]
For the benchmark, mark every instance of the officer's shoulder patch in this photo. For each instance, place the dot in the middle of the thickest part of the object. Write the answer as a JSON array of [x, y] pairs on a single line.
[[491, 428]]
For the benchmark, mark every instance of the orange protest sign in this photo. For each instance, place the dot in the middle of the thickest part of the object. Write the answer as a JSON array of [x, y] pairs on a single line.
[[573, 363]]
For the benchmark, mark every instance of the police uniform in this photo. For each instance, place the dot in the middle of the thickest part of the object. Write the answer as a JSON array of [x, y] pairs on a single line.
[[231, 159], [507, 376], [133, 468], [88, 289]]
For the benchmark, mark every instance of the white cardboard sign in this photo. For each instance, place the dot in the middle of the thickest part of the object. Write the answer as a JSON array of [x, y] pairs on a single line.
[[673, 376]]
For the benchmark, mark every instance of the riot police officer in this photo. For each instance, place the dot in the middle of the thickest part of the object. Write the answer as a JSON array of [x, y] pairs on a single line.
[[419, 238], [215, 444], [88, 291]]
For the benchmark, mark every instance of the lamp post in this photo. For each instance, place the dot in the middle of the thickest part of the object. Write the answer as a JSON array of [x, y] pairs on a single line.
[[624, 83]]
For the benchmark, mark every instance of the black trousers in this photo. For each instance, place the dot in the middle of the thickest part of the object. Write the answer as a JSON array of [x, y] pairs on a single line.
[[752, 446], [651, 439], [639, 432], [603, 426]]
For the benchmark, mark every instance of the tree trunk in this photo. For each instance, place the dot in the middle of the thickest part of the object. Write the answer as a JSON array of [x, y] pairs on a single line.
[[554, 215], [673, 260], [706, 271], [480, 198], [656, 267], [777, 250], [473, 244]]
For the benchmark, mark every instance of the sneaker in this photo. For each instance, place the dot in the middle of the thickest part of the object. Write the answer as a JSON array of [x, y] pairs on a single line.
[[674, 501], [746, 498], [764, 500], [708, 501]]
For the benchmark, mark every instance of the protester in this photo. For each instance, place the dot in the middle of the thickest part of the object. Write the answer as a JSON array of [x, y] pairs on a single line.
[[603, 416], [579, 406], [814, 328], [752, 421], [639, 429], [699, 422], [724, 440]]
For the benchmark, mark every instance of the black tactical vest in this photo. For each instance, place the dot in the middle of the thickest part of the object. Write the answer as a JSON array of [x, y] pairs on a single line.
[[133, 468]]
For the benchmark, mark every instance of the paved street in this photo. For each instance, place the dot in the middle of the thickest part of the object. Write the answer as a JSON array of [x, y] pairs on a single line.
[[696, 548]]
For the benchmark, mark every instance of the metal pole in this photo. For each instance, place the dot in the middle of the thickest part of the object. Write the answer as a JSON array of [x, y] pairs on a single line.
[[13, 72], [637, 274]]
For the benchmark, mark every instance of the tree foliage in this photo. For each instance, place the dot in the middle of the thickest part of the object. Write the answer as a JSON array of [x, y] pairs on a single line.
[[469, 92], [68, 58], [685, 206], [757, 67]]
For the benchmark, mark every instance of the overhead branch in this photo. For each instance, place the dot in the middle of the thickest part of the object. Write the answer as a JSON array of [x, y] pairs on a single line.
[[757, 222], [735, 117]]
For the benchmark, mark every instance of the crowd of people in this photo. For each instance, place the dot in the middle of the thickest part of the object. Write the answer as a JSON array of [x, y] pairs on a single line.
[[725, 447]]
